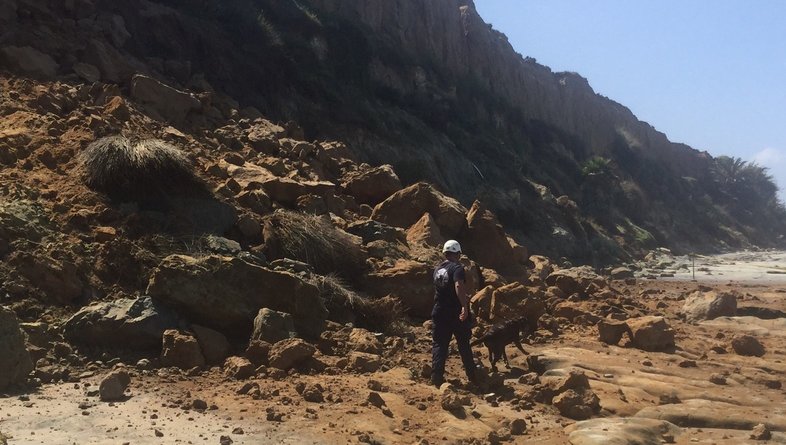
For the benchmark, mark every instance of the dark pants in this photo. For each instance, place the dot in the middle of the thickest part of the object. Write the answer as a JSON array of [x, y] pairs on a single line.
[[447, 325]]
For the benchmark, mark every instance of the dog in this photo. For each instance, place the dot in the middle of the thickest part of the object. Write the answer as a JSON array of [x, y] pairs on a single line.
[[503, 334]]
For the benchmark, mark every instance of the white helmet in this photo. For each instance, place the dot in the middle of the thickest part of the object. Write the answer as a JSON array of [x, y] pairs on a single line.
[[452, 246]]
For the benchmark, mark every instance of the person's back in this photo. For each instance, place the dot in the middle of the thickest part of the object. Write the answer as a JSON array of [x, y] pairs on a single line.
[[446, 274]]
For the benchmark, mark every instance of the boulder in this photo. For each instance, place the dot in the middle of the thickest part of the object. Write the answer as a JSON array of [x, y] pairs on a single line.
[[364, 341], [370, 231], [408, 281], [87, 72], [113, 386], [131, 323], [651, 333], [238, 368], [621, 273], [28, 61], [15, 364], [181, 350], [747, 345], [170, 103], [287, 191], [709, 305], [372, 186], [289, 353], [226, 293], [485, 241], [575, 280], [405, 207], [577, 405], [272, 326], [112, 65], [611, 331], [622, 431], [215, 346], [574, 311], [57, 279], [480, 304], [513, 300], [364, 362], [425, 232], [542, 266], [258, 352]]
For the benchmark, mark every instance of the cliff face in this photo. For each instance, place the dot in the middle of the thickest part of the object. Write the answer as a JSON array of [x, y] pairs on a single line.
[[424, 85]]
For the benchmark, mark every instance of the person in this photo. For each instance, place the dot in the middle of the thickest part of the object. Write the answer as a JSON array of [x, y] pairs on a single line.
[[451, 315]]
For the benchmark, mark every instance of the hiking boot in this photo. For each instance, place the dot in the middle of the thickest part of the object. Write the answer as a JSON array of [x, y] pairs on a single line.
[[437, 381]]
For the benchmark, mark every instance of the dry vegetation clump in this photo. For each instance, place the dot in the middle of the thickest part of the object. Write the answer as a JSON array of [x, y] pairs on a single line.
[[314, 240], [136, 171], [382, 314]]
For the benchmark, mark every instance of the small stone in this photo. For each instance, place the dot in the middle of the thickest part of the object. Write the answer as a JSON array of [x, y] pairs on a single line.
[[225, 440], [113, 386], [199, 405], [375, 399], [159, 433], [761, 432], [518, 427], [239, 431], [688, 364], [718, 379]]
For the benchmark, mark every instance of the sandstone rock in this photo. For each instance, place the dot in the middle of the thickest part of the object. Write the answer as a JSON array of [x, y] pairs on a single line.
[[58, 279], [272, 326], [408, 281], [709, 305], [370, 231], [114, 385], [15, 364], [375, 399], [621, 273], [215, 346], [405, 207], [747, 345], [425, 232], [622, 431], [372, 186], [577, 405], [542, 266], [172, 104], [364, 341], [557, 384], [181, 350], [314, 393], [287, 191], [238, 368], [226, 293], [718, 379], [651, 333], [28, 61], [258, 352], [761, 432], [132, 323], [364, 362], [480, 303], [289, 353], [573, 311], [485, 241], [514, 300], [611, 331], [575, 280]]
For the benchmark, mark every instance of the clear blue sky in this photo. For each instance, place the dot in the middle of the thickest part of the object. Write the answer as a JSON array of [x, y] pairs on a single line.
[[708, 73]]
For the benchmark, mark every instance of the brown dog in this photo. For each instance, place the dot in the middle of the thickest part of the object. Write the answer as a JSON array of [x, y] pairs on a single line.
[[503, 334]]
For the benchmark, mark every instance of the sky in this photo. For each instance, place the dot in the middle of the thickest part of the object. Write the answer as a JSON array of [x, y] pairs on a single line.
[[707, 73]]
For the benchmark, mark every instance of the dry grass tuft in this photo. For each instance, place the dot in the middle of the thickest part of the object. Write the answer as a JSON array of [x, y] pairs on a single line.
[[143, 170], [314, 240], [380, 315]]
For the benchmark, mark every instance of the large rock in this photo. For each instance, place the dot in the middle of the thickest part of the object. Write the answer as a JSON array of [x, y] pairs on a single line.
[[513, 300], [709, 305], [57, 279], [215, 346], [181, 350], [372, 186], [272, 326], [651, 333], [575, 280], [172, 104], [485, 241], [28, 61], [238, 368], [621, 431], [364, 341], [405, 207], [577, 405], [226, 293], [113, 66], [611, 331], [289, 353], [15, 363], [287, 191], [480, 303], [542, 266], [747, 345], [113, 386], [409, 282], [370, 231], [425, 232], [132, 323]]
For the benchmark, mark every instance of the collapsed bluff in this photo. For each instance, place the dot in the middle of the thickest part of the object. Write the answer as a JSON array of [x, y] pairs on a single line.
[[223, 230]]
